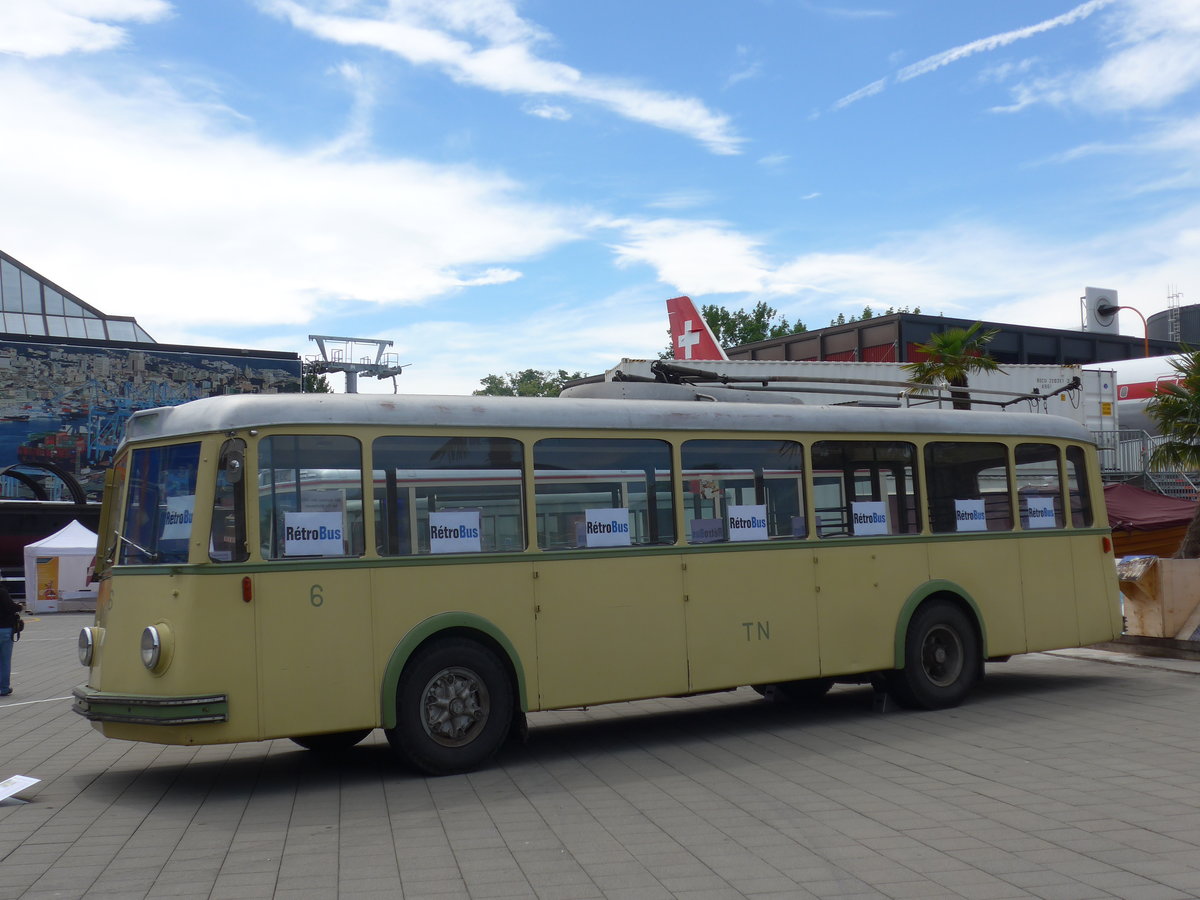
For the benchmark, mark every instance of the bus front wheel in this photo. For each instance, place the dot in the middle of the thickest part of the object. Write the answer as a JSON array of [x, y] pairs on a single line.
[[454, 706], [941, 658]]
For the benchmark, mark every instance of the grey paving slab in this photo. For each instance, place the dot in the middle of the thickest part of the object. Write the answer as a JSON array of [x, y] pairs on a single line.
[[1067, 775]]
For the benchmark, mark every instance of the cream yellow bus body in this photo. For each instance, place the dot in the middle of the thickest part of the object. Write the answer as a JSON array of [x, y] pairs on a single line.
[[232, 627]]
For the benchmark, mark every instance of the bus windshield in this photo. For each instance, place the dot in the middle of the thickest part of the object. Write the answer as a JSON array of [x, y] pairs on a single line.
[[160, 502]]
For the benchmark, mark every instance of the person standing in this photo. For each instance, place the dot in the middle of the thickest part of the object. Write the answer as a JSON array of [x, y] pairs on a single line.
[[10, 617]]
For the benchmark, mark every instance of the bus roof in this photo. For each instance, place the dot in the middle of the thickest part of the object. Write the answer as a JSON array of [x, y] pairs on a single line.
[[232, 413]]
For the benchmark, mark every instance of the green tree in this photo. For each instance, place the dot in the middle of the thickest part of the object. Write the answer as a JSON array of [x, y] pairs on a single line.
[[526, 383], [951, 356], [1176, 409], [741, 326], [314, 382], [869, 313]]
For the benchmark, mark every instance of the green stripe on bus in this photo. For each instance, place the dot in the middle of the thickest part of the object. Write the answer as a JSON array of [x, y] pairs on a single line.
[[427, 629], [919, 596], [533, 556]]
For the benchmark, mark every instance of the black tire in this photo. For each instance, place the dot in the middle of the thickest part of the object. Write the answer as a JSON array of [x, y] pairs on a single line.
[[941, 658], [333, 742], [454, 707], [807, 690]]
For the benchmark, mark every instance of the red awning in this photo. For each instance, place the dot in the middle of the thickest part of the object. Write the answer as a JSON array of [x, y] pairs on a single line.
[[1132, 509]]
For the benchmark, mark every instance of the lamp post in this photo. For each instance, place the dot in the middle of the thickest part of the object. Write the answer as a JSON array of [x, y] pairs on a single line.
[[1108, 310]]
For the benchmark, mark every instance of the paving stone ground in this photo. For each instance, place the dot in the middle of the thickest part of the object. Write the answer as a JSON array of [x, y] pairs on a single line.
[[1064, 777]]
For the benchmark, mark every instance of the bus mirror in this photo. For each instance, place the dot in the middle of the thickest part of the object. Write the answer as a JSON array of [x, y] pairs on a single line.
[[233, 466]]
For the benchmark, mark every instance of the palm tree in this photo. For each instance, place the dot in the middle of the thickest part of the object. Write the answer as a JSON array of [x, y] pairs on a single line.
[[1175, 406], [951, 356]]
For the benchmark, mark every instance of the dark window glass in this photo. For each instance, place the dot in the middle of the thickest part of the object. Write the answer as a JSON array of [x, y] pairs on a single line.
[[1039, 486], [1078, 488], [865, 488], [228, 538], [603, 492], [54, 302], [968, 487], [743, 490], [10, 286], [159, 506], [31, 294], [447, 495], [310, 496]]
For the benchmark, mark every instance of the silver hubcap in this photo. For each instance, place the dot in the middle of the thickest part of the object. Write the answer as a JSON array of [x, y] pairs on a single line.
[[456, 705], [942, 656]]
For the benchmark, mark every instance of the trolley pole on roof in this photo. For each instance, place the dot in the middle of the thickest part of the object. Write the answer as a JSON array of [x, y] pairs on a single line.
[[353, 356]]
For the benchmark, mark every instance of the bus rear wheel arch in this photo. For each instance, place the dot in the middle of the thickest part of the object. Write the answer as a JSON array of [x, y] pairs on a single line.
[[455, 703], [942, 657]]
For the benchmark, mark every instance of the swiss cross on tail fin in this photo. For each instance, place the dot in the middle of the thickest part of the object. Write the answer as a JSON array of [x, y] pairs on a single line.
[[691, 337]]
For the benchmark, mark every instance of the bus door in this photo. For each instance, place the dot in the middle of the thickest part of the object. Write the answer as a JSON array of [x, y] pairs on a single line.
[[609, 610], [1047, 567], [865, 497], [313, 610], [748, 580]]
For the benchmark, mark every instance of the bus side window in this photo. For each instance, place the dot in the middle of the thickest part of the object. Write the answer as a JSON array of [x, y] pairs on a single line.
[[864, 488], [968, 486], [743, 490], [310, 496], [603, 492], [1039, 486], [447, 495], [227, 539], [1078, 488]]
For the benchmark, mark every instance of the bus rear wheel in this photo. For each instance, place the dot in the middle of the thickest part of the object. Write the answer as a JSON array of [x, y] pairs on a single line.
[[454, 706], [941, 658], [332, 742]]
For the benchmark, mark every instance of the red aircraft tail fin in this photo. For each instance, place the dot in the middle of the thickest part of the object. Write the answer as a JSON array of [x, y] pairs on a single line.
[[690, 335]]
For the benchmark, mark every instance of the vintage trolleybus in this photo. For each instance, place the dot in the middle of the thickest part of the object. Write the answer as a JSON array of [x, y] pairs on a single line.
[[316, 566]]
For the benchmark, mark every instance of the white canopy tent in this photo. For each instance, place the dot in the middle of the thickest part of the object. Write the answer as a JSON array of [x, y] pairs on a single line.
[[57, 569]]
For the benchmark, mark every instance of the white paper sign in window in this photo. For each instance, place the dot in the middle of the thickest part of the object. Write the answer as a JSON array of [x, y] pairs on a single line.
[[1039, 512], [606, 527], [455, 531], [313, 534], [748, 523], [177, 520], [707, 531], [969, 515], [870, 517]]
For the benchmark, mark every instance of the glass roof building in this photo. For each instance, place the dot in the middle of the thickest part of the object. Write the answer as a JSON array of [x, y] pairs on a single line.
[[32, 305]]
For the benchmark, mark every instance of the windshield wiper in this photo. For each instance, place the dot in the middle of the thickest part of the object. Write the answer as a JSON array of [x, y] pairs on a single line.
[[149, 554]]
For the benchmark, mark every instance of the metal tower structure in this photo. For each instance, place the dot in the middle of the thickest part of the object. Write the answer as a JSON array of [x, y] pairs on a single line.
[[1173, 297], [353, 356]]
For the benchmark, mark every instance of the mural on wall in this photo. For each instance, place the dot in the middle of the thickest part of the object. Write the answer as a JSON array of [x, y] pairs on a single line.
[[67, 404]]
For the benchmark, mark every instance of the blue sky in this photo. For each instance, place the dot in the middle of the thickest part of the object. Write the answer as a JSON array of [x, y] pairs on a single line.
[[496, 185]]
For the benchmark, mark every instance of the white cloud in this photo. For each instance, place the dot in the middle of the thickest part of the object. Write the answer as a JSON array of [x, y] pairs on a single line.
[[41, 28], [548, 111], [694, 257], [969, 269], [154, 205], [587, 336], [982, 45], [1152, 61], [440, 34]]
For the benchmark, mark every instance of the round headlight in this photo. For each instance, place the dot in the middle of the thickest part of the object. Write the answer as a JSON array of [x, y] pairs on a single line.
[[151, 647], [87, 646]]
